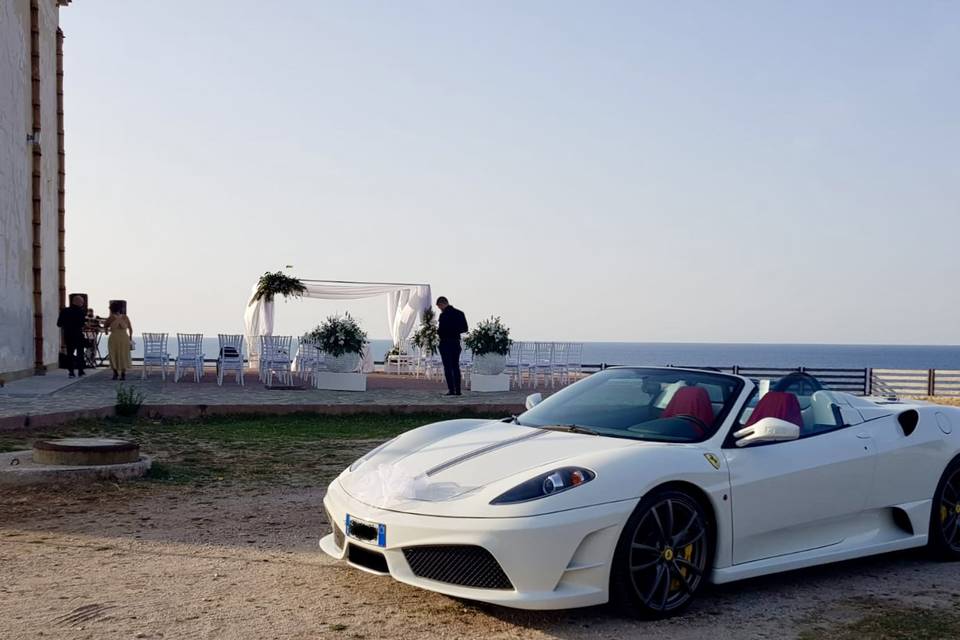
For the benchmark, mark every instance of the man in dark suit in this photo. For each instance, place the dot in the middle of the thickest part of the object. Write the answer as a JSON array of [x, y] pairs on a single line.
[[71, 321], [451, 325]]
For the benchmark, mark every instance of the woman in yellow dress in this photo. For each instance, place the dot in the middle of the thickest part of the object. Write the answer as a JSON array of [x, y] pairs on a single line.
[[121, 336]]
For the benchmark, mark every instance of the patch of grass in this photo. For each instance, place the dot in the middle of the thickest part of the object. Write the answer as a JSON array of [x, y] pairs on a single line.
[[159, 471], [293, 450], [894, 623], [309, 427], [10, 444]]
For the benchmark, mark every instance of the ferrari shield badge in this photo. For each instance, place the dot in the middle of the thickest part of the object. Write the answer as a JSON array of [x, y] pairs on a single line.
[[713, 460]]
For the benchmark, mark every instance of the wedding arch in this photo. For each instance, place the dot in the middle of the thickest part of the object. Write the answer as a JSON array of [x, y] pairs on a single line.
[[405, 304]]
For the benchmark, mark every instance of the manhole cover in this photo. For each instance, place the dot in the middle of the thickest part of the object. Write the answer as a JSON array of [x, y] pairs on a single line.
[[85, 451]]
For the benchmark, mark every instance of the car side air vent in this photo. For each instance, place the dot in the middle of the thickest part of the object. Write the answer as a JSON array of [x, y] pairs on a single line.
[[908, 421], [902, 520]]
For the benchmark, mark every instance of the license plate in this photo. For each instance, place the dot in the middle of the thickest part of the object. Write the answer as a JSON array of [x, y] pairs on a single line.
[[364, 531]]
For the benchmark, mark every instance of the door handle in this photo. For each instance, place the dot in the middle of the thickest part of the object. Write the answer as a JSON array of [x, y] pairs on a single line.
[[863, 435]]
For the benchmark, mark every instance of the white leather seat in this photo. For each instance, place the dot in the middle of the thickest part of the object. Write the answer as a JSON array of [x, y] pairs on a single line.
[[669, 391], [821, 405]]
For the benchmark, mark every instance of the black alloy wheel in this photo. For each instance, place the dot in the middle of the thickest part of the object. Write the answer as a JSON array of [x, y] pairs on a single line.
[[663, 555], [944, 534]]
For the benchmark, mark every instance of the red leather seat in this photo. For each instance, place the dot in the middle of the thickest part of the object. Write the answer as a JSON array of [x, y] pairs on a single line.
[[690, 401], [777, 404]]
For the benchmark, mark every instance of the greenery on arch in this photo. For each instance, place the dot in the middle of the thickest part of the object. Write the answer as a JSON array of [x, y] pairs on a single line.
[[278, 284]]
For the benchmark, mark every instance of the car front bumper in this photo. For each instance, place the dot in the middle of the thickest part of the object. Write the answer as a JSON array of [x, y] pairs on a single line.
[[554, 561]]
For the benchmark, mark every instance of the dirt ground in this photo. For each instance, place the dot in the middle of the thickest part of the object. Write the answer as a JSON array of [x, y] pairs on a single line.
[[221, 542], [151, 561]]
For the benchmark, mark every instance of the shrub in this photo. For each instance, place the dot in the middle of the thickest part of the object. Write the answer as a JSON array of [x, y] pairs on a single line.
[[129, 400]]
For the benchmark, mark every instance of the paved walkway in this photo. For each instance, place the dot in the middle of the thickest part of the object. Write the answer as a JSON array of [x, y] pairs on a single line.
[[32, 386], [95, 396]]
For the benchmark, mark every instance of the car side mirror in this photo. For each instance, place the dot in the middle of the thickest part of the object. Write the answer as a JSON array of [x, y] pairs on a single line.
[[767, 430], [533, 400]]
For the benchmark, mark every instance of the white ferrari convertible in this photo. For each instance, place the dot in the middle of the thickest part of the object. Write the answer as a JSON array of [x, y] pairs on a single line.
[[637, 485]]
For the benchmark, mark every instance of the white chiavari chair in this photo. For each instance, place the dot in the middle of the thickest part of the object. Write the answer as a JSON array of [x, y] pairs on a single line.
[[275, 359], [543, 363], [189, 356], [155, 354], [230, 357]]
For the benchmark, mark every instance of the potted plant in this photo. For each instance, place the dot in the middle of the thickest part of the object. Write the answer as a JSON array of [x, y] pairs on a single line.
[[341, 339], [394, 351], [490, 342], [426, 338], [278, 284]]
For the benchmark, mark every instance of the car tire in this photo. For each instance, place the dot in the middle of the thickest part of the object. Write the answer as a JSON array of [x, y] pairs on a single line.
[[943, 539], [663, 556]]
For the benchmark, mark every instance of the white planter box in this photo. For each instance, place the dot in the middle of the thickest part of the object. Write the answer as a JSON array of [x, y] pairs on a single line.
[[333, 381], [347, 363], [489, 364], [486, 384]]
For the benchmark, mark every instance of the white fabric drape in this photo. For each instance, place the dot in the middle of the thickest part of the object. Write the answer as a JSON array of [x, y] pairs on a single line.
[[405, 303]]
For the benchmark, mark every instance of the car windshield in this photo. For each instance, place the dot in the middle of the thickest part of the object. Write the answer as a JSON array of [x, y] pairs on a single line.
[[667, 405]]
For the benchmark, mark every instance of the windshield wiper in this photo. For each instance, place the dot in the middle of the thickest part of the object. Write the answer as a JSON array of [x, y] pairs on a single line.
[[570, 428]]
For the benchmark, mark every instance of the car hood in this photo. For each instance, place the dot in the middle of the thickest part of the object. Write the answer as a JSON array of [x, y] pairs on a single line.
[[456, 459]]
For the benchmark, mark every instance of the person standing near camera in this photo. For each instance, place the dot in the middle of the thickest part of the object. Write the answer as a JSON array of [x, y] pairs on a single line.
[[451, 325], [71, 321]]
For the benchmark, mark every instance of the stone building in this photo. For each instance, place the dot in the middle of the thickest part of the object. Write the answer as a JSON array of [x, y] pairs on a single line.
[[32, 270]]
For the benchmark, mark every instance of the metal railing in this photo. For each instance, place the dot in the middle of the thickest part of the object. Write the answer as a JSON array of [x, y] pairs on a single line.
[[915, 382], [866, 381]]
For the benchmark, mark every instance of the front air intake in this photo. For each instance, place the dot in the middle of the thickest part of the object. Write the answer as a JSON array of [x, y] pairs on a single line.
[[367, 558], [463, 565]]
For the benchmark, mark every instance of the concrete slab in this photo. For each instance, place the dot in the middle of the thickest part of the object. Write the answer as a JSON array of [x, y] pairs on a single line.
[[85, 451], [18, 468]]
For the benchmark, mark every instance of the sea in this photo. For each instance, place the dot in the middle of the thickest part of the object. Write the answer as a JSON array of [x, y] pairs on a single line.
[[697, 354]]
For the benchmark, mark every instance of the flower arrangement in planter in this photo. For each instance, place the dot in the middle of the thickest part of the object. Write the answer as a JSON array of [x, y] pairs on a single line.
[[427, 338], [341, 338], [490, 342], [278, 284]]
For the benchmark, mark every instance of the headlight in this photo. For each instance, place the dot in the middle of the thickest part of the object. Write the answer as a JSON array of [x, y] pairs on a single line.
[[359, 461], [546, 484]]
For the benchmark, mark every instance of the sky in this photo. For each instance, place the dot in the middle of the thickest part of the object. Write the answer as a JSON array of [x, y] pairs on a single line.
[[626, 171]]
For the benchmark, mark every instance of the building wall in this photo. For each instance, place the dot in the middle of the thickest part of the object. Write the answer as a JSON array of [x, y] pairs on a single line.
[[16, 233], [49, 22]]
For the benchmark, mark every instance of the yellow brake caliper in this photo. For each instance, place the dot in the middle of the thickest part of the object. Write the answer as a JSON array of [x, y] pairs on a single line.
[[687, 555]]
